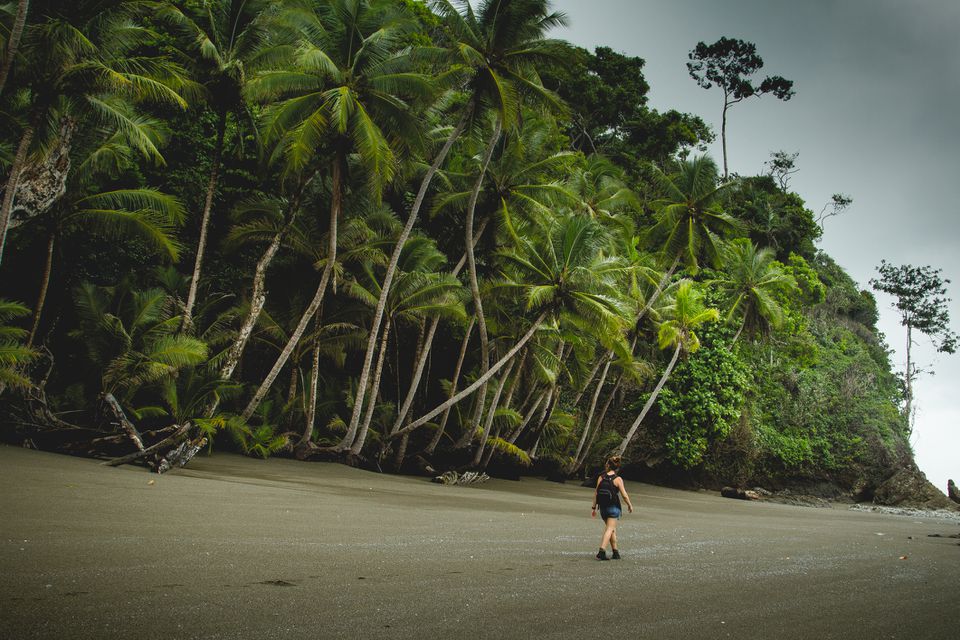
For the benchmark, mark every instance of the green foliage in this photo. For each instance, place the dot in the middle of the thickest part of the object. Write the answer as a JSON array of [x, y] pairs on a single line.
[[702, 399], [510, 450], [773, 217], [729, 63], [607, 95], [920, 298], [14, 354], [258, 442], [597, 221]]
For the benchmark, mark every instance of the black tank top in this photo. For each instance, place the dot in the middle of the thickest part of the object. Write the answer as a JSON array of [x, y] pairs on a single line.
[[607, 493]]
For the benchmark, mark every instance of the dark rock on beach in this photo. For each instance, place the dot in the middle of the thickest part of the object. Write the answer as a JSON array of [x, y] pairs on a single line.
[[952, 491], [909, 487]]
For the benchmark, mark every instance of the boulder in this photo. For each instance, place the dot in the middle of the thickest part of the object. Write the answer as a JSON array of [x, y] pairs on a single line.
[[952, 491], [909, 487]]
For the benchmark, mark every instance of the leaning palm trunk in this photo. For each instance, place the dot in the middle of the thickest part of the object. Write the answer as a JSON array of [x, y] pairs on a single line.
[[479, 382], [44, 285], [335, 203], [590, 377], [417, 374], [649, 403], [391, 271], [205, 222], [593, 406], [258, 295], [491, 414], [424, 350], [19, 161], [311, 414], [453, 388], [472, 266], [13, 43], [528, 416], [598, 424], [372, 400]]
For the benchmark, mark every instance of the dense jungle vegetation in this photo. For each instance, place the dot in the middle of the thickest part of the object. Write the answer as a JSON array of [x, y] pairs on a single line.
[[411, 234]]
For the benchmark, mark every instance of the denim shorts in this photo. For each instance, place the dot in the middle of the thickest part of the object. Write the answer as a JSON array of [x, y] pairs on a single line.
[[613, 511]]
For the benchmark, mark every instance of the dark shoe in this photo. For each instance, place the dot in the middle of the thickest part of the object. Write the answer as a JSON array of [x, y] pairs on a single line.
[[616, 555], [602, 555]]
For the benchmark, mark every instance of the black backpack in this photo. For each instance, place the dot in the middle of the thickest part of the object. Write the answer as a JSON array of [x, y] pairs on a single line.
[[607, 492]]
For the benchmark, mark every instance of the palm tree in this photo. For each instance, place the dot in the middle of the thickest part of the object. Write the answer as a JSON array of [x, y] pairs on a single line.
[[684, 313], [227, 35], [495, 50], [143, 213], [419, 292], [347, 95], [13, 41], [132, 337], [690, 222], [14, 355], [563, 276], [83, 69], [751, 281], [601, 190]]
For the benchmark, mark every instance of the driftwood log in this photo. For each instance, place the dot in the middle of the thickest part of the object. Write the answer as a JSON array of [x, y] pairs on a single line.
[[171, 440], [467, 477], [121, 420]]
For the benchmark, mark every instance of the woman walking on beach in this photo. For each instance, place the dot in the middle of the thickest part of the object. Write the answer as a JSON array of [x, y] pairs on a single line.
[[607, 497]]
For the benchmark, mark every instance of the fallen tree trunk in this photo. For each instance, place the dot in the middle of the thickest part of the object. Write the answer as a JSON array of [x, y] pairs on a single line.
[[178, 435], [122, 421]]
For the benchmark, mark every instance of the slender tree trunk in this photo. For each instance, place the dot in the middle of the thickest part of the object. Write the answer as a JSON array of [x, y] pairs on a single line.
[[479, 382], [739, 331], [258, 296], [590, 377], [13, 43], [311, 414], [453, 387], [488, 456], [205, 221], [554, 395], [19, 160], [491, 414], [372, 399], [391, 270], [532, 411], [516, 378], [472, 263], [723, 135], [908, 379], [650, 400], [533, 450], [335, 204], [593, 406], [578, 460], [44, 285], [420, 365]]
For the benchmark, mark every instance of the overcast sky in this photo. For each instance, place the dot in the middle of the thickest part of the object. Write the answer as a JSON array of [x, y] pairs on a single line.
[[875, 116]]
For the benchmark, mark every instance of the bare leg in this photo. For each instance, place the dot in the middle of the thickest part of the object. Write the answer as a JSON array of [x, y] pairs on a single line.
[[609, 533], [613, 538]]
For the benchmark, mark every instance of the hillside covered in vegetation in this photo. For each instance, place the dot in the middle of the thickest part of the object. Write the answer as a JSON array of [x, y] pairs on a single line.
[[411, 235]]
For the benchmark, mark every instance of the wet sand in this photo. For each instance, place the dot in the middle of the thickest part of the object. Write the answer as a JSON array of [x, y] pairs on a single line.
[[236, 548]]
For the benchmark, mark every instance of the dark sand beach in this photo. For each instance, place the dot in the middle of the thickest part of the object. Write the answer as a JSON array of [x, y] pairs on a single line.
[[238, 548]]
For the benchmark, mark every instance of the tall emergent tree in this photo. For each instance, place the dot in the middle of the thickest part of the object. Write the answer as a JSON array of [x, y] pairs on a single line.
[[729, 63], [921, 301]]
